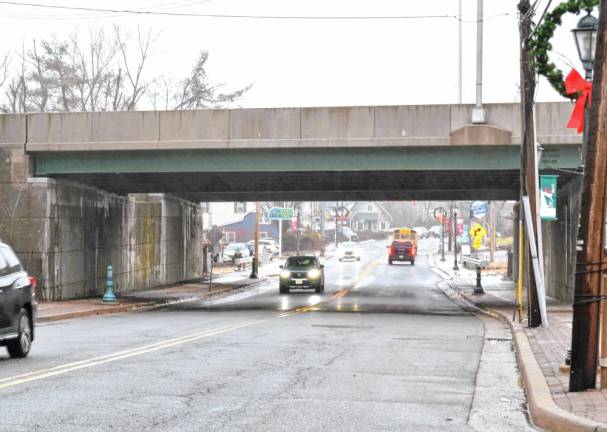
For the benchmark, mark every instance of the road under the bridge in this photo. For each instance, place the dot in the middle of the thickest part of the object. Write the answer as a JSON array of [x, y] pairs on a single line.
[[382, 349]]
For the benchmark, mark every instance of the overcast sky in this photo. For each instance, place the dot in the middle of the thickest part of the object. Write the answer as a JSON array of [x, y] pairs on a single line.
[[316, 62]]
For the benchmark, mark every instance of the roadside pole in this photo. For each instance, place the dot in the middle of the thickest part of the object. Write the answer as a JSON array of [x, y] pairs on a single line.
[[255, 263], [298, 214], [450, 232], [280, 237], [336, 218], [589, 271], [454, 229], [528, 181], [492, 233]]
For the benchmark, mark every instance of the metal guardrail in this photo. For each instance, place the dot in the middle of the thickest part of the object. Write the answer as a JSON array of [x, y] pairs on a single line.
[[475, 262]]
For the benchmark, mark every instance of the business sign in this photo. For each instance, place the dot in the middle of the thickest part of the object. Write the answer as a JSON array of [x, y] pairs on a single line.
[[439, 214], [459, 227], [479, 209], [281, 213], [548, 197]]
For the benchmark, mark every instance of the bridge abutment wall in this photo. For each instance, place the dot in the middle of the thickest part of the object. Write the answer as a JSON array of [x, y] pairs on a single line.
[[66, 234], [559, 240]]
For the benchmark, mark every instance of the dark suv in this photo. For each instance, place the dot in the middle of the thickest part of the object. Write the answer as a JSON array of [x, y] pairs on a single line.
[[302, 272], [17, 304]]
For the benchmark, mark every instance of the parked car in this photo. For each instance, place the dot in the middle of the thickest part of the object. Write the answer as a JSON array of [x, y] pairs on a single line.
[[17, 304], [302, 272], [268, 244], [235, 250], [348, 251]]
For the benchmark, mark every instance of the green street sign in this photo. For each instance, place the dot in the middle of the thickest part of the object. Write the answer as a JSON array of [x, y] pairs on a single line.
[[548, 197], [281, 213]]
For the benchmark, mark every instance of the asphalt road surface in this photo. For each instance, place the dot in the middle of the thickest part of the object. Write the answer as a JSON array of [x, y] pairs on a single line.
[[383, 349]]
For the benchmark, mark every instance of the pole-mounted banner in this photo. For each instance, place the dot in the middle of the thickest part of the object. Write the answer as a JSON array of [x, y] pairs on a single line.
[[548, 197]]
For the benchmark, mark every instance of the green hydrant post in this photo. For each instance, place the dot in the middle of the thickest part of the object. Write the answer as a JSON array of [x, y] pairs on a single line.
[[109, 296]]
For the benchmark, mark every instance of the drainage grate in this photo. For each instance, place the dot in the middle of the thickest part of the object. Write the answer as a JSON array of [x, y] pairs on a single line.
[[496, 339]]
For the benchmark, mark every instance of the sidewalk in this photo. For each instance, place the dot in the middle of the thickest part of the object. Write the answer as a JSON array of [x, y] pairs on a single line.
[[226, 278], [153, 298], [540, 353]]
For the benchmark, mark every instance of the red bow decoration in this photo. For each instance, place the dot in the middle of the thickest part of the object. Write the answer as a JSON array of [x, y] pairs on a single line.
[[574, 83]]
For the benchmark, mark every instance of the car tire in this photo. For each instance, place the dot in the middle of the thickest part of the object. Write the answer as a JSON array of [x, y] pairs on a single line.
[[390, 262], [358, 259], [283, 289], [412, 262], [21, 346]]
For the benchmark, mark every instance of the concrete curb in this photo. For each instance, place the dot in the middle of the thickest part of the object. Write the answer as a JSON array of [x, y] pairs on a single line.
[[104, 309], [545, 413]]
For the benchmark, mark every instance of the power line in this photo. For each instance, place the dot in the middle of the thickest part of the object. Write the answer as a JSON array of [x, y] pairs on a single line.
[[238, 16], [102, 15]]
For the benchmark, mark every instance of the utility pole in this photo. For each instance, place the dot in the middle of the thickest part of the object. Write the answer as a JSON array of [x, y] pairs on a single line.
[[459, 51], [528, 181], [255, 263], [336, 217], [478, 112], [491, 233], [589, 274], [298, 216], [450, 225]]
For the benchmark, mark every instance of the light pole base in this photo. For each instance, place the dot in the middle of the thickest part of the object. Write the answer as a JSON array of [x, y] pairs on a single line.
[[253, 269]]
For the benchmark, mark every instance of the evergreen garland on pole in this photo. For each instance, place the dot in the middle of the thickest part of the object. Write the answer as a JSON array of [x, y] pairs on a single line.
[[540, 45]]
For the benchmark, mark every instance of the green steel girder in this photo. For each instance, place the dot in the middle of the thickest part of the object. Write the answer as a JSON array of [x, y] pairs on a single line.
[[505, 157]]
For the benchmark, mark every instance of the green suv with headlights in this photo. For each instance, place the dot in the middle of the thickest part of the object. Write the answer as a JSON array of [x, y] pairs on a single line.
[[302, 272]]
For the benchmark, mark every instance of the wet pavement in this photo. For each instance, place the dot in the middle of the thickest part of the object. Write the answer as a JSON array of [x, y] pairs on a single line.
[[382, 349]]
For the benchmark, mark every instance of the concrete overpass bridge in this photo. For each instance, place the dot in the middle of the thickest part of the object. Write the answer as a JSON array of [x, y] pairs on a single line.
[[80, 191], [354, 153]]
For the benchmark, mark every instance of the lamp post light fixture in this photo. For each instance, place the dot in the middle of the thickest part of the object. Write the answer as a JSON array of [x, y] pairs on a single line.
[[585, 41], [584, 36]]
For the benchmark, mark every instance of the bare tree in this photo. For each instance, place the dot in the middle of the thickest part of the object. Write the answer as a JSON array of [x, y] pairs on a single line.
[[103, 73], [134, 70], [4, 65], [196, 92]]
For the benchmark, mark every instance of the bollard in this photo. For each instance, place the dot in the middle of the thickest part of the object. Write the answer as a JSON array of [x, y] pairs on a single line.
[[478, 289], [253, 269], [109, 296]]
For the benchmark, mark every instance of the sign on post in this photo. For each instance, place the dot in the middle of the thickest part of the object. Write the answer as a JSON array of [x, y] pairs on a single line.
[[281, 213], [548, 197], [479, 209], [477, 232], [439, 214]]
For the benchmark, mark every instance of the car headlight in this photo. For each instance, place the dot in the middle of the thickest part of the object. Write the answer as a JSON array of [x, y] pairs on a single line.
[[314, 274], [285, 274]]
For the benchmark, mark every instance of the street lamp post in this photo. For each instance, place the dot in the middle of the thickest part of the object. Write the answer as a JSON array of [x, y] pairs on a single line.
[[584, 36], [585, 325]]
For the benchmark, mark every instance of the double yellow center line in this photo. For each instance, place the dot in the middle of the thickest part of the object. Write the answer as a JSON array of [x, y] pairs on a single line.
[[169, 343]]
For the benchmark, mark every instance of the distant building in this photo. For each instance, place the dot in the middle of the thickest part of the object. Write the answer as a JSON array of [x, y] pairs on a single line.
[[244, 230], [369, 216]]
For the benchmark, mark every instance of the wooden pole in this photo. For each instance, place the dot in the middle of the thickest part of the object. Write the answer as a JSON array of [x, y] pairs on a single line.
[[491, 233], [588, 276], [528, 179]]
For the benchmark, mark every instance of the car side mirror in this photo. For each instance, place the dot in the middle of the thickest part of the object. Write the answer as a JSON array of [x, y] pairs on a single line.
[[322, 266], [281, 266]]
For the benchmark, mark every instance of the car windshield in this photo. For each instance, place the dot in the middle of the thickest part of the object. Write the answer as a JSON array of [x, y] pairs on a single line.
[[348, 245], [300, 262], [234, 247]]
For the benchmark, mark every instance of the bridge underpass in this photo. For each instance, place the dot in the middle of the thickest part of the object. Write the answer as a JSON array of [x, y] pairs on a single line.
[[88, 182], [409, 173]]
